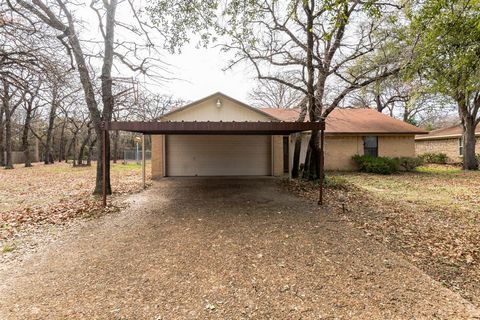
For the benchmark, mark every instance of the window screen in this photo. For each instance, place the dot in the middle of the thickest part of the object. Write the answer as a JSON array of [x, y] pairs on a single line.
[[370, 146]]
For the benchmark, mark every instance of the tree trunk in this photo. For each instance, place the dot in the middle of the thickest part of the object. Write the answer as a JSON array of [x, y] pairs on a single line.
[[61, 153], [115, 146], [306, 164], [8, 125], [51, 122], [74, 153], [8, 139], [468, 117], [83, 145], [298, 140], [81, 152], [89, 92], [311, 170], [470, 161], [2, 137], [296, 155], [107, 99], [49, 17], [26, 130], [90, 152], [69, 149]]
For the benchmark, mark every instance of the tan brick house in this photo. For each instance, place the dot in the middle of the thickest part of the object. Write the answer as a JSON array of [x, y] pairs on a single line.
[[445, 140], [348, 132]]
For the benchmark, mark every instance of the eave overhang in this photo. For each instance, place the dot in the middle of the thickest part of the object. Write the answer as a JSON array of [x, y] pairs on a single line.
[[215, 128]]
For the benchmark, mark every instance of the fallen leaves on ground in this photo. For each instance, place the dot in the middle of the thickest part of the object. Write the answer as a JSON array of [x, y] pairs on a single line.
[[431, 218], [54, 194]]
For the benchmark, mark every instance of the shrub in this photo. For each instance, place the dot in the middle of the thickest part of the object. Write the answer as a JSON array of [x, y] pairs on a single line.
[[381, 165], [431, 157], [409, 163]]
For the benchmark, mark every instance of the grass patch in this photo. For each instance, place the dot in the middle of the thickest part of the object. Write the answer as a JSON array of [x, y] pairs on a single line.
[[336, 182], [8, 247], [430, 216], [125, 167], [439, 169]]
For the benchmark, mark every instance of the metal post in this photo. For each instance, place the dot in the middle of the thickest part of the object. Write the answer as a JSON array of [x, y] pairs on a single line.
[[104, 166], [136, 153], [321, 164], [143, 160]]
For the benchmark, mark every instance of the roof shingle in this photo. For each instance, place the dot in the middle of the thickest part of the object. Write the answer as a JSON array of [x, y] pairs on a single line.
[[353, 121], [449, 132]]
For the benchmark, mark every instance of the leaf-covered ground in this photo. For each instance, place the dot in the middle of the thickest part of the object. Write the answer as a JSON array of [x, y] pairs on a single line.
[[220, 248], [432, 217], [54, 194]]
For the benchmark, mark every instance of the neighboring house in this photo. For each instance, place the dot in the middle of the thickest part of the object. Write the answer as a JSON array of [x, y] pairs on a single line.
[[348, 132], [446, 140]]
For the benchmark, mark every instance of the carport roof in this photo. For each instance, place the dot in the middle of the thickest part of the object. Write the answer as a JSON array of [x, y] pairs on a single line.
[[209, 127]]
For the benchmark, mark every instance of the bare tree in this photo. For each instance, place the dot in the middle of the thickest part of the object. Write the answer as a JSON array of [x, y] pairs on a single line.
[[408, 100], [11, 100], [31, 105], [320, 45], [60, 17], [273, 94]]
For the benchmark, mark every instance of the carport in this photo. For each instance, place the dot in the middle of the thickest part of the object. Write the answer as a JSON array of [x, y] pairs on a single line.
[[270, 128]]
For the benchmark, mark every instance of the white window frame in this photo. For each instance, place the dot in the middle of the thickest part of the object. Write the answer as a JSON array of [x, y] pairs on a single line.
[[460, 146]]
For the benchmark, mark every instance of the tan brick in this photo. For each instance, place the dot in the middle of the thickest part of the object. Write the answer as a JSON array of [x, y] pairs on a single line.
[[157, 156], [277, 143]]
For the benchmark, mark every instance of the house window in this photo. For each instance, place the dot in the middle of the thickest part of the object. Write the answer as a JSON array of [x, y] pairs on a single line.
[[460, 146], [370, 146]]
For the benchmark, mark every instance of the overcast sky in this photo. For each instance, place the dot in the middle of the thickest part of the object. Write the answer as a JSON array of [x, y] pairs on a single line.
[[201, 74], [199, 70]]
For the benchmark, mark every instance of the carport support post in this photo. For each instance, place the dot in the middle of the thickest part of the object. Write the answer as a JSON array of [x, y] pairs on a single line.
[[321, 164], [143, 160], [104, 164]]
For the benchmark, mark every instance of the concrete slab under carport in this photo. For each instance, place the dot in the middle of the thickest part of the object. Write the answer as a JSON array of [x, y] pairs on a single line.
[[274, 128], [222, 248]]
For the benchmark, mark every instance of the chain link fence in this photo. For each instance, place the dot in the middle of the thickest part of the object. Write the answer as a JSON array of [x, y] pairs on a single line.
[[134, 155]]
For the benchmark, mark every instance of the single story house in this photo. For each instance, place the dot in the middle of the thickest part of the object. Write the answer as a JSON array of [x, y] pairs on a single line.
[[446, 140], [348, 132]]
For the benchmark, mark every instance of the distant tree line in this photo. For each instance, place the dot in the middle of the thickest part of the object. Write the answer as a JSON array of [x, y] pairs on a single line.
[[63, 74]]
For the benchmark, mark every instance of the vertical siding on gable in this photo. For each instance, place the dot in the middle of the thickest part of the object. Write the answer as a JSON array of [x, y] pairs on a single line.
[[208, 111]]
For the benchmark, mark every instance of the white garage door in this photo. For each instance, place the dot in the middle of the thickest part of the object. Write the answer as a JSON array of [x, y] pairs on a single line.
[[211, 155]]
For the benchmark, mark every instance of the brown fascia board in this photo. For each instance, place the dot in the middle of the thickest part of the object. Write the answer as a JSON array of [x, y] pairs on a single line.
[[443, 137], [373, 133], [208, 127], [364, 133]]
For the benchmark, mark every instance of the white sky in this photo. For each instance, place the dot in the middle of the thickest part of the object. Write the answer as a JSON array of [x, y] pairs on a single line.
[[201, 72]]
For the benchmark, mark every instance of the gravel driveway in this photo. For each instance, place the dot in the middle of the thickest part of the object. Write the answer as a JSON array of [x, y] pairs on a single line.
[[220, 248]]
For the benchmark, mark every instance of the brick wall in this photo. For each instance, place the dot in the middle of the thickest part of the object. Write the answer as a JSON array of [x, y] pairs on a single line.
[[157, 156], [447, 146], [277, 163], [396, 146]]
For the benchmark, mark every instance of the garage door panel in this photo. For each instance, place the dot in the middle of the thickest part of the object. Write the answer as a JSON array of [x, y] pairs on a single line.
[[208, 155]]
